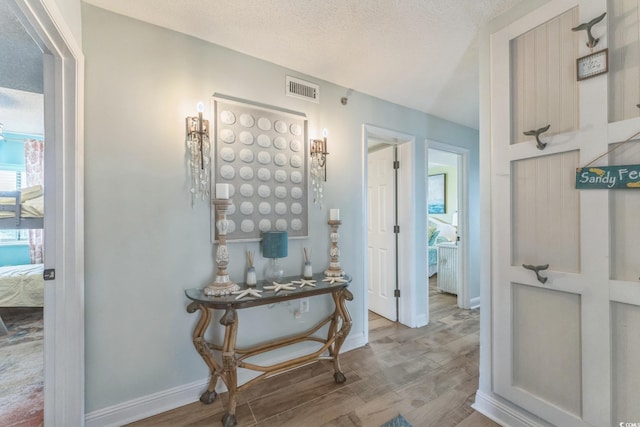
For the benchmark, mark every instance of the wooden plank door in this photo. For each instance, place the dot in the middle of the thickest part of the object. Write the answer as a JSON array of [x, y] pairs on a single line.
[[381, 237]]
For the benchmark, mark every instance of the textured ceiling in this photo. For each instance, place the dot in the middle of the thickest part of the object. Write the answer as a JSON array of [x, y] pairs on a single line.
[[421, 54]]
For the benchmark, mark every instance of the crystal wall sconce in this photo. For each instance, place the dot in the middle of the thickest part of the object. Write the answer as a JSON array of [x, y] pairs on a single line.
[[318, 168], [199, 148]]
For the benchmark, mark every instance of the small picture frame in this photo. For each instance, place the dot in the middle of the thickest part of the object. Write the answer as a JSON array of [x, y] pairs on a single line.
[[437, 198], [592, 65]]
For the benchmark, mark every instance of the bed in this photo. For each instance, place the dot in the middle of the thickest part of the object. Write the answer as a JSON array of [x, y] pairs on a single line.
[[438, 232], [22, 209], [21, 286]]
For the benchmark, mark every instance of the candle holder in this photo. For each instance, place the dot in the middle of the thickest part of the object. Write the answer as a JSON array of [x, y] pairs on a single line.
[[334, 269], [222, 285]]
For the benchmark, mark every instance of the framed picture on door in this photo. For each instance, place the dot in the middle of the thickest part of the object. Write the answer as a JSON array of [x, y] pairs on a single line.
[[437, 200]]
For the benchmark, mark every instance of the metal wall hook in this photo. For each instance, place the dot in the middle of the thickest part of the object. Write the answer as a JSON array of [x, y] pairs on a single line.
[[537, 132], [592, 41], [537, 269]]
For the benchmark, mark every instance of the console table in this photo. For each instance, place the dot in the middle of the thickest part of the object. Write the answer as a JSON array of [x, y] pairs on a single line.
[[233, 358]]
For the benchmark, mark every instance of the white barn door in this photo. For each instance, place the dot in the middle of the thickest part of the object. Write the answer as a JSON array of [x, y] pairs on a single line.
[[381, 236], [559, 348]]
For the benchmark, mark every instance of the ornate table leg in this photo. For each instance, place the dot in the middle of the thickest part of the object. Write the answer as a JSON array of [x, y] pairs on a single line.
[[203, 349], [230, 373], [341, 317]]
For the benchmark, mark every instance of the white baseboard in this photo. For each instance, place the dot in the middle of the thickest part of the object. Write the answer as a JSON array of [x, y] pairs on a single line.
[[474, 303], [421, 320], [501, 413], [156, 403]]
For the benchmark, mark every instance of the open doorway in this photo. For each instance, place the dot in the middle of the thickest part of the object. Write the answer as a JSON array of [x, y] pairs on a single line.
[[395, 216]]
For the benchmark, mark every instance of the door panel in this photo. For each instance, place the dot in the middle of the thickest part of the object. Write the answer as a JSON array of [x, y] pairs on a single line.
[[625, 320], [381, 238]]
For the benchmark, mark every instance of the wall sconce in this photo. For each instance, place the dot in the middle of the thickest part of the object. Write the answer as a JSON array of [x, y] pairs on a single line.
[[319, 154], [199, 148]]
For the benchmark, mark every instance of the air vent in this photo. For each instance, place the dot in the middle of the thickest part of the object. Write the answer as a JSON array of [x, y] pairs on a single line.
[[297, 88]]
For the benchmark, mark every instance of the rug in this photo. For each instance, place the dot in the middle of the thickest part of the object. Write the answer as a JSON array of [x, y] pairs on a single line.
[[398, 421], [21, 369]]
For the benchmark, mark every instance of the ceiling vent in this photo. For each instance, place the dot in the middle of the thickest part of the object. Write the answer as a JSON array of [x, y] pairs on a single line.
[[301, 89]]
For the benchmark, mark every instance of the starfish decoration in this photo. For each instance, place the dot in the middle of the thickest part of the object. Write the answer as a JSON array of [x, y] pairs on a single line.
[[247, 292], [333, 280], [277, 287], [305, 282]]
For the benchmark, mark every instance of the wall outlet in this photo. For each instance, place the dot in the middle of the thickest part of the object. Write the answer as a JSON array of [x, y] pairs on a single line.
[[304, 305]]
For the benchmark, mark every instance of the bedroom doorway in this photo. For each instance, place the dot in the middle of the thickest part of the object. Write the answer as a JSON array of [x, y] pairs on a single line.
[[21, 224], [446, 225]]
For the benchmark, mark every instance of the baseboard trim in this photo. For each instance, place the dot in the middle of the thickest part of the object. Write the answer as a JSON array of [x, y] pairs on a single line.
[[156, 403], [421, 320], [501, 413], [474, 303]]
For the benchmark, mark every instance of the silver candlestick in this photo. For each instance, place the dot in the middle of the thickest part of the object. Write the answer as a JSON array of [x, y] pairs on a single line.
[[223, 285], [334, 269]]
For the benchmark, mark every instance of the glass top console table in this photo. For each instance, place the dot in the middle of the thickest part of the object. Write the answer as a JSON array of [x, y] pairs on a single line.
[[233, 357]]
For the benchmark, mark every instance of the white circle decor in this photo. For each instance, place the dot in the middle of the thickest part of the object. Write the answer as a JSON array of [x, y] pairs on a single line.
[[246, 137], [296, 177], [296, 161], [295, 145], [232, 190], [264, 157], [264, 174], [247, 120], [280, 126], [296, 224], [264, 141], [246, 208], [280, 159], [280, 175], [227, 171], [227, 154], [264, 123], [281, 208], [264, 225], [264, 191], [247, 225], [231, 210], [281, 224], [231, 226], [246, 173], [296, 208], [264, 208], [246, 155], [296, 192], [227, 117], [280, 192], [227, 136], [296, 129], [280, 143], [246, 190]]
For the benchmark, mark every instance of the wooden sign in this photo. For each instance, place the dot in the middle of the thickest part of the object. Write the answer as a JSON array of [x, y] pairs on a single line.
[[608, 177]]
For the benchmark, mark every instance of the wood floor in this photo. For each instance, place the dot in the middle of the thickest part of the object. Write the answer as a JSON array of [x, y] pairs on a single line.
[[428, 374]]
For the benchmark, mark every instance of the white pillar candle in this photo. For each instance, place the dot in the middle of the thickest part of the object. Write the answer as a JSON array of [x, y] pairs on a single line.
[[222, 191], [334, 214]]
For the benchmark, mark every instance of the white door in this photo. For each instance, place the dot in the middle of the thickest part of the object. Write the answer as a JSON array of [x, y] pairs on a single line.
[[556, 351], [381, 236]]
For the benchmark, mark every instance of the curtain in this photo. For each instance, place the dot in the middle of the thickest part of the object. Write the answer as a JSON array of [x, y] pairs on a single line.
[[34, 168]]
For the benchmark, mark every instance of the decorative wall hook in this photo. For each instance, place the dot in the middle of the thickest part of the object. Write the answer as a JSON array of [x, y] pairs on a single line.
[[592, 42], [537, 269], [537, 132]]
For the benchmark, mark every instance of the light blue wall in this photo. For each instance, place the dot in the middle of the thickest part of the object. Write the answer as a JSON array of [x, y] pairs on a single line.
[[144, 242]]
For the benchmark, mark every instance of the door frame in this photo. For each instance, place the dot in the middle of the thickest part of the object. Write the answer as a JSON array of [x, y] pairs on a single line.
[[407, 284], [463, 299], [63, 75]]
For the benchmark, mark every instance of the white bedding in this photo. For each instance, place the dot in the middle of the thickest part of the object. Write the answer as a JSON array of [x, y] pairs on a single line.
[[31, 200], [22, 286]]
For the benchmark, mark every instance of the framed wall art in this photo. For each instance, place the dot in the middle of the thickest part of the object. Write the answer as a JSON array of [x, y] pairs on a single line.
[[261, 152], [437, 200]]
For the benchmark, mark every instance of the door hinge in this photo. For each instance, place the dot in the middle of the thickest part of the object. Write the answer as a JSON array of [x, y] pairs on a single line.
[[396, 229], [396, 293], [49, 274], [396, 164]]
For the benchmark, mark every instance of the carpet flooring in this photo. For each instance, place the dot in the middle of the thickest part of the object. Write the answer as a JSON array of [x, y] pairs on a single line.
[[21, 368]]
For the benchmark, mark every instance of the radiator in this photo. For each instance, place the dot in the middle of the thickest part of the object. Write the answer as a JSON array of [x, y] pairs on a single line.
[[448, 269]]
